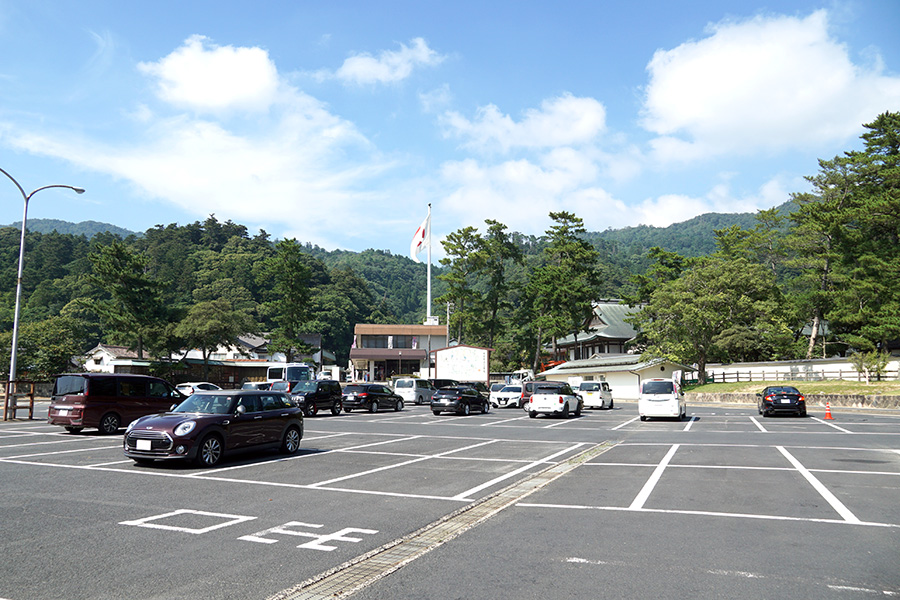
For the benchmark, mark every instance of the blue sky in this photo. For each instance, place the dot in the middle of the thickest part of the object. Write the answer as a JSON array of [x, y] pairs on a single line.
[[338, 122]]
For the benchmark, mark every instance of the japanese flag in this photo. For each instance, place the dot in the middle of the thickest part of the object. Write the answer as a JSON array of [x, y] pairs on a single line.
[[420, 239]]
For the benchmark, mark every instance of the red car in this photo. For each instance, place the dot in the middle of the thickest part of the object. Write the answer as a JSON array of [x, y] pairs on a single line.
[[209, 425]]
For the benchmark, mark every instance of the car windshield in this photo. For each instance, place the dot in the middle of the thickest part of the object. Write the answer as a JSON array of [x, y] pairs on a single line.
[[354, 389], [590, 387], [404, 383], [658, 387], [304, 386], [512, 388], [209, 404], [784, 390]]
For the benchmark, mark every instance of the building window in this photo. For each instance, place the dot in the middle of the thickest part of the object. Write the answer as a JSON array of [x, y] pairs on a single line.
[[403, 341], [374, 341]]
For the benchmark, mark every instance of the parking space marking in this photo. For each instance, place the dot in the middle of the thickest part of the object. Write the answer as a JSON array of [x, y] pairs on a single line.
[[836, 504], [642, 496], [466, 495], [40, 454], [690, 422], [227, 520], [759, 425], [402, 464], [503, 421], [707, 513], [630, 421], [818, 420]]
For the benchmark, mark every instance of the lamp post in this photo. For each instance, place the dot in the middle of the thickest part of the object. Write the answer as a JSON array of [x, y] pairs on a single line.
[[15, 335]]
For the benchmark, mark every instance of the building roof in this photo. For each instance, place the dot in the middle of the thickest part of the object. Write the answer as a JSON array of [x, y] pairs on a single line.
[[383, 329], [610, 315], [115, 351], [609, 363]]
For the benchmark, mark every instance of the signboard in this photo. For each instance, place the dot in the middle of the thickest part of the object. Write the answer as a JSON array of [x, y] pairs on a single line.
[[463, 363]]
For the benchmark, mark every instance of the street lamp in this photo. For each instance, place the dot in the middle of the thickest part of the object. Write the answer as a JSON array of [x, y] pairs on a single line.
[[15, 335]]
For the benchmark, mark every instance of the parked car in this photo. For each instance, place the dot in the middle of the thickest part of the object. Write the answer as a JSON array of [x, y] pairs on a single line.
[[195, 386], [210, 425], [509, 395], [460, 399], [257, 385], [661, 398], [595, 394], [527, 391], [442, 383], [781, 399], [314, 395], [284, 385], [554, 398], [414, 390], [370, 397], [107, 401], [483, 390]]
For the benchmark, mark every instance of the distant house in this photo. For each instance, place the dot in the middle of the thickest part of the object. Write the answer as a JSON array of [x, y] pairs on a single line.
[[246, 359], [381, 351], [623, 372], [606, 332]]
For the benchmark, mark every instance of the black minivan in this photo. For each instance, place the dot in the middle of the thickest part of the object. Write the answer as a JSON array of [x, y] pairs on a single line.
[[107, 401]]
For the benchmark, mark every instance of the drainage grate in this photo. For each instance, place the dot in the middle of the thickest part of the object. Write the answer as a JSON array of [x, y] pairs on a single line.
[[363, 570]]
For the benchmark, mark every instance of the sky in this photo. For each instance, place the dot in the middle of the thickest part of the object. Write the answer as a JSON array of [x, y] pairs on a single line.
[[337, 123]]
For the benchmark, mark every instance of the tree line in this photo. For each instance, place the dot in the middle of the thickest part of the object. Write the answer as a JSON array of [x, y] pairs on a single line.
[[817, 276]]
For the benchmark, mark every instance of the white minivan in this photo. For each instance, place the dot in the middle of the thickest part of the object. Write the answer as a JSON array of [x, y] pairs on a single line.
[[414, 390], [596, 394], [661, 398]]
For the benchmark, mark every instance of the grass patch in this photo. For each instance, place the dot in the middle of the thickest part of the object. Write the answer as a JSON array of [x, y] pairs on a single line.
[[888, 388]]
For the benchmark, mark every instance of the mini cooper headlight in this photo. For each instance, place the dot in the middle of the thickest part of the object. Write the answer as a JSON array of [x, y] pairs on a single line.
[[185, 428], [131, 425]]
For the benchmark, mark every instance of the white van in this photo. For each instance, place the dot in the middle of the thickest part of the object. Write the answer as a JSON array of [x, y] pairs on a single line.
[[596, 394], [414, 390], [661, 398]]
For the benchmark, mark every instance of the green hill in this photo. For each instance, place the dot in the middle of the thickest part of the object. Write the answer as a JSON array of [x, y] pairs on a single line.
[[86, 228]]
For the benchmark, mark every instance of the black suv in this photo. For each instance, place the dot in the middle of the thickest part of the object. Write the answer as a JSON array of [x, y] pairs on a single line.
[[314, 395]]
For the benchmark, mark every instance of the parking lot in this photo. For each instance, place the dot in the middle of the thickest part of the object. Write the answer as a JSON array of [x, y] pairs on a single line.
[[725, 503]]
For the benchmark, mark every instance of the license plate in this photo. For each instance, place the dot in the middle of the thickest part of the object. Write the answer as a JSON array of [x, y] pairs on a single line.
[[143, 445], [64, 413], [785, 401]]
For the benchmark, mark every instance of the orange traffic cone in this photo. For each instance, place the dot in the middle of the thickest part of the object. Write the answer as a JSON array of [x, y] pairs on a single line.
[[828, 416]]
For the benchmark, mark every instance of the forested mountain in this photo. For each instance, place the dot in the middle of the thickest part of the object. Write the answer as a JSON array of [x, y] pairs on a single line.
[[86, 228]]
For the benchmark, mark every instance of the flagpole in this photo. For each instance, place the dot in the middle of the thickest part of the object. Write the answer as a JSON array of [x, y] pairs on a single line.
[[428, 300]]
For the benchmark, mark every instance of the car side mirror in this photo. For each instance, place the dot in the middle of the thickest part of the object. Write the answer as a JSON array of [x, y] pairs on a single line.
[[241, 409], [171, 408]]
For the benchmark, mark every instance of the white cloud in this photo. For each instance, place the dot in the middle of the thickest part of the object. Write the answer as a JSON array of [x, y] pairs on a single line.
[[521, 193], [768, 83], [390, 66], [561, 121], [207, 78]]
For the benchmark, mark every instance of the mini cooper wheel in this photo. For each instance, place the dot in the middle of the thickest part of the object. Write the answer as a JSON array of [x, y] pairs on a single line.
[[291, 441], [532, 414], [210, 451], [109, 424]]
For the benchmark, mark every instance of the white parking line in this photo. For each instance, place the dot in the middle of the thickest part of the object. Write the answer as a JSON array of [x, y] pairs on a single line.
[[402, 464], [465, 495], [642, 496], [691, 422], [817, 419], [630, 421], [836, 504], [758, 424], [707, 513], [503, 421]]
